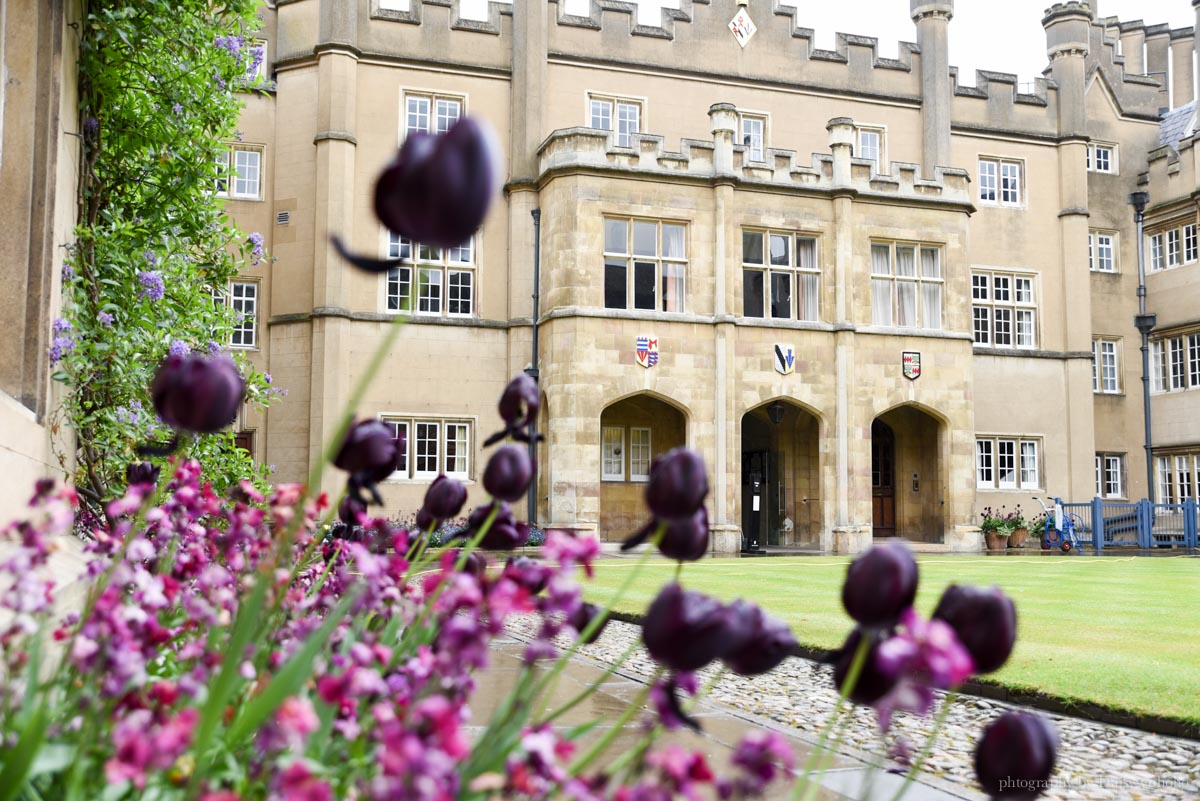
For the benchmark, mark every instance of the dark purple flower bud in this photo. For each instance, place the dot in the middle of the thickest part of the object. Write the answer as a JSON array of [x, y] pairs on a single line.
[[1015, 756], [582, 617], [678, 484], [519, 403], [985, 620], [685, 630], [766, 642], [872, 683], [424, 520], [444, 499], [197, 393], [528, 573], [880, 584], [351, 510], [508, 473], [505, 532], [685, 539], [476, 563], [438, 189], [141, 473], [369, 451]]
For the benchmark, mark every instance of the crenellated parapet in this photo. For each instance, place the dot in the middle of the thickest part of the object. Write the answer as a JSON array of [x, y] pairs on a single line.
[[417, 9], [718, 160]]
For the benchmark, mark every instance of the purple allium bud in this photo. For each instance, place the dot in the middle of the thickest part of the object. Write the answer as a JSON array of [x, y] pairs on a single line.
[[678, 484], [197, 393], [508, 473], [505, 532], [141, 473], [1015, 756], [873, 684], [438, 189], [685, 630], [519, 403], [105, 319], [582, 617], [369, 451], [444, 499], [528, 573], [880, 584], [767, 641], [985, 620]]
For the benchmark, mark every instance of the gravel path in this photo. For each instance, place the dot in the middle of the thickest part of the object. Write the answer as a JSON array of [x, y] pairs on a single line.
[[1095, 761]]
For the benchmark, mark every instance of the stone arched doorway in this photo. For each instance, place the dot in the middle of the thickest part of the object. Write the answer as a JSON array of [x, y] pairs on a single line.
[[632, 432], [907, 475], [780, 481]]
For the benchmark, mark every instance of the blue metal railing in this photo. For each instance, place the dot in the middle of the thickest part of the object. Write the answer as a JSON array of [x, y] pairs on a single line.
[[1103, 524]]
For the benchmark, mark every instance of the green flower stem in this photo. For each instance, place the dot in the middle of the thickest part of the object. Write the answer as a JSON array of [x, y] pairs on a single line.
[[856, 666], [938, 722], [634, 707]]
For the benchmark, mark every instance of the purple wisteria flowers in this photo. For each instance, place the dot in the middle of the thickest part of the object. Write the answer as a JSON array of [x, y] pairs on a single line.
[[152, 287]]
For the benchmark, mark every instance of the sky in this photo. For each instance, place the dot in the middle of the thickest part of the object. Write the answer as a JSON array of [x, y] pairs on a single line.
[[996, 35]]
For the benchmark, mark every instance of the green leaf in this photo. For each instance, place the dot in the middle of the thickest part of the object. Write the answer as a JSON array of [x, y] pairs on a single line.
[[19, 760], [53, 758], [291, 677]]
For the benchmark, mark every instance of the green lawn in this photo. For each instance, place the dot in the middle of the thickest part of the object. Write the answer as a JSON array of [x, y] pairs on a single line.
[[1121, 632]]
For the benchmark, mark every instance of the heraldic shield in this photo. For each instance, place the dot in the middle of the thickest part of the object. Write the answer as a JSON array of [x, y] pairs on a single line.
[[912, 365], [647, 351]]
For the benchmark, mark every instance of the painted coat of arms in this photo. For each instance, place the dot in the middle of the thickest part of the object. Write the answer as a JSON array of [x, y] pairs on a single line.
[[785, 358], [647, 351], [911, 360]]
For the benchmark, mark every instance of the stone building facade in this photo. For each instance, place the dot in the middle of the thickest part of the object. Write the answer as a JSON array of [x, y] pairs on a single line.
[[876, 300]]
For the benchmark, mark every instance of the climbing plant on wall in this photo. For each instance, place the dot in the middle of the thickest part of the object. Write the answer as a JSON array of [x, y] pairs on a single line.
[[161, 84]]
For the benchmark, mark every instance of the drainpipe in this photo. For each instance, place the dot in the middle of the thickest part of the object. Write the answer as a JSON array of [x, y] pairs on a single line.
[[1144, 323], [532, 370]]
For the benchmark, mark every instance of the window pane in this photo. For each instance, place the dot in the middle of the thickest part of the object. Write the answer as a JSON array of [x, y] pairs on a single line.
[[673, 242], [616, 236], [601, 115], [612, 455], [1006, 463], [243, 298], [983, 463], [673, 287], [1025, 329], [457, 449], [1002, 328], [881, 301], [987, 181], [1029, 465], [245, 182], [429, 295], [779, 250], [906, 295], [639, 454], [417, 117], [615, 284], [881, 260], [781, 295], [627, 123], [643, 284], [752, 137], [1002, 289], [906, 261], [982, 324], [399, 247], [806, 253], [752, 247], [931, 263], [752, 293], [399, 289], [400, 435], [425, 448], [931, 305], [1024, 289], [459, 293], [979, 286], [645, 239], [429, 253], [462, 254], [808, 301], [448, 112]]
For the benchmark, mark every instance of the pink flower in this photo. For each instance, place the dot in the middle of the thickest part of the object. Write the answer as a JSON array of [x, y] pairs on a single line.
[[569, 550], [298, 784], [924, 656]]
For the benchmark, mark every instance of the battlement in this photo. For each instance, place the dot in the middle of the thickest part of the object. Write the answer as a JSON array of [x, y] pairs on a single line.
[[593, 150]]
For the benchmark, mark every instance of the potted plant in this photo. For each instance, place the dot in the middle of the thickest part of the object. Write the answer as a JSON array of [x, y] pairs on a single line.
[[1020, 528], [1037, 526], [995, 529]]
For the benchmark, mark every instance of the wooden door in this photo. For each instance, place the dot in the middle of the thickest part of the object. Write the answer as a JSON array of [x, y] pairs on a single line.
[[883, 480]]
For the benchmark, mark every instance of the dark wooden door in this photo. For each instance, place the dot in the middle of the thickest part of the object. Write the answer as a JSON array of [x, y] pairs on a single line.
[[883, 480]]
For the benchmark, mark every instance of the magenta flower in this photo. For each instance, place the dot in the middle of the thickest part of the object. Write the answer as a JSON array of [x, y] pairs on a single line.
[[761, 757], [923, 656], [297, 783]]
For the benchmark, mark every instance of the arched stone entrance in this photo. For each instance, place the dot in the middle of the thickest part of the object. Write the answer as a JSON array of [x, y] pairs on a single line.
[[780, 481], [632, 432], [907, 475]]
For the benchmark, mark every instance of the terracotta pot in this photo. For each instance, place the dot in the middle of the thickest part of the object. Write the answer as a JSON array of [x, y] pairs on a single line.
[[994, 541], [1018, 537]]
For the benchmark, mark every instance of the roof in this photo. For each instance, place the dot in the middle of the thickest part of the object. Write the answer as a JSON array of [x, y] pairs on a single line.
[[1177, 124]]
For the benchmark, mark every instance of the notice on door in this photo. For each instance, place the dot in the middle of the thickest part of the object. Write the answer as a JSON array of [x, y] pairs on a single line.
[[756, 497]]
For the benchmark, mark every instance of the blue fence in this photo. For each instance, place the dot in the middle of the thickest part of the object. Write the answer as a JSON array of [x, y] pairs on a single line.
[[1136, 525]]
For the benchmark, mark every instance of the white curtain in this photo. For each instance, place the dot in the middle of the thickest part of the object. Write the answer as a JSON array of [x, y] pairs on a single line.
[[906, 295], [931, 301], [906, 261], [809, 307], [673, 242], [881, 301]]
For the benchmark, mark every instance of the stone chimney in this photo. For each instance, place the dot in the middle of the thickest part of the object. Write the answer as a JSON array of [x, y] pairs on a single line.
[[1133, 46], [1196, 73], [1158, 54], [1183, 73], [932, 18], [1067, 35], [724, 124], [841, 144]]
